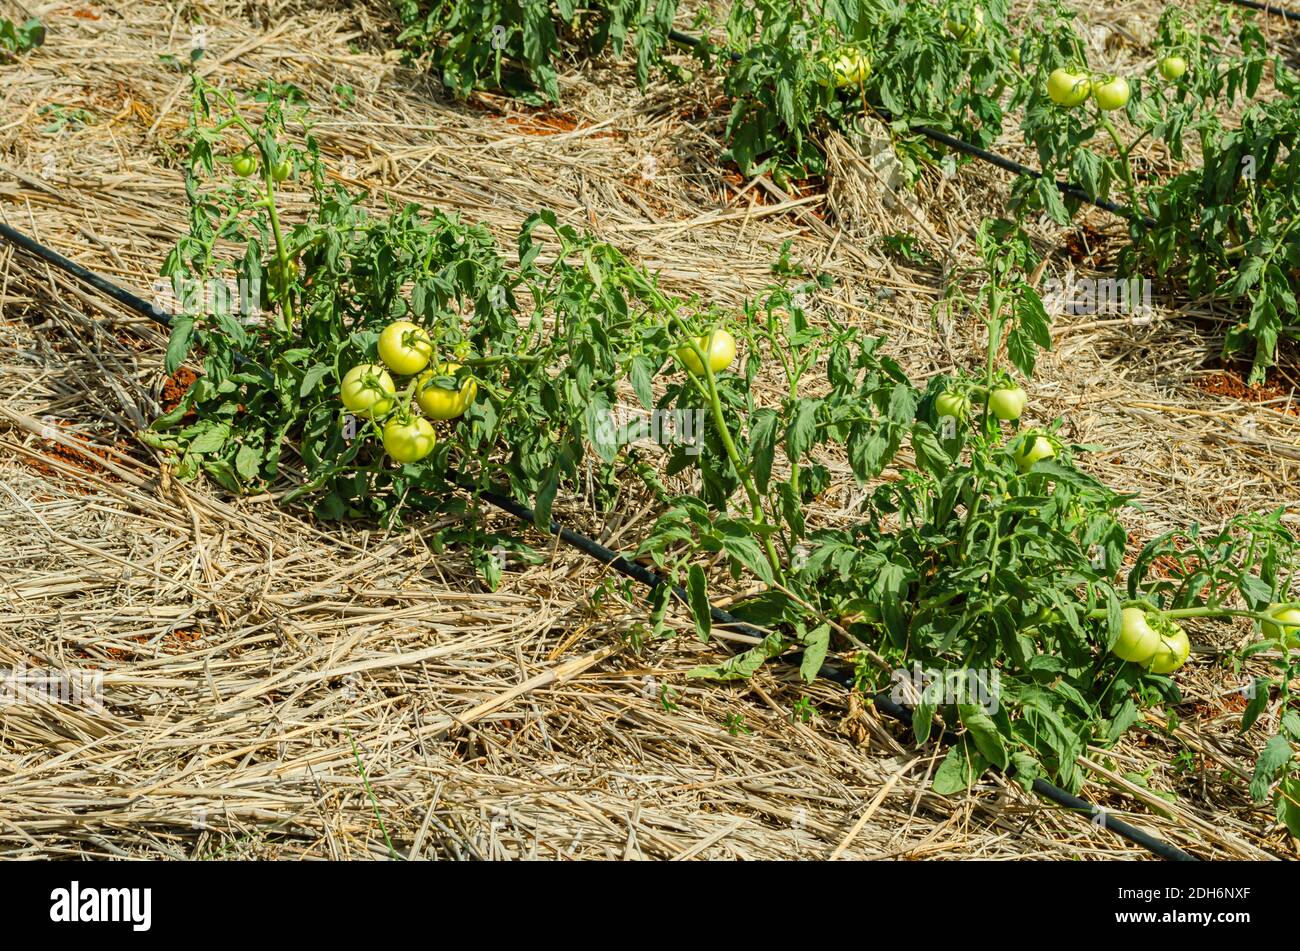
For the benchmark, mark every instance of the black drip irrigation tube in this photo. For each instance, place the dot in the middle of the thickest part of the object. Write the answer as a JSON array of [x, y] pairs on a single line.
[[636, 572], [1268, 8]]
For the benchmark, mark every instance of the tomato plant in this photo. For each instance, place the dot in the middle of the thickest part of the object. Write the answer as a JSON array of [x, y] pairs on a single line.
[[542, 350], [798, 72], [971, 560], [515, 44]]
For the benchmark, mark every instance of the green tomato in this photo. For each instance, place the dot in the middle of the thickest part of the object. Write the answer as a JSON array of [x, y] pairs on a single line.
[[1046, 615], [409, 440], [971, 28], [439, 401], [1111, 94], [719, 347], [1068, 88], [850, 67], [1172, 68], [1289, 626], [368, 391], [1172, 651], [1007, 402], [952, 404], [1033, 448], [244, 164], [405, 348], [281, 170], [1138, 640]]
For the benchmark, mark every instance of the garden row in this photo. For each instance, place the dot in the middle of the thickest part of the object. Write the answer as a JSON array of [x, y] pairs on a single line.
[[794, 71], [391, 366]]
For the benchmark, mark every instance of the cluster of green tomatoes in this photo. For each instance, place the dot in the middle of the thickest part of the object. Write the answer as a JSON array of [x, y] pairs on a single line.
[[442, 392], [1006, 402], [245, 164], [1158, 644], [1070, 87]]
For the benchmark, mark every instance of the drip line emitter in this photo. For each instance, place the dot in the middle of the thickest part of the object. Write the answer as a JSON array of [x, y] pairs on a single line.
[[639, 573]]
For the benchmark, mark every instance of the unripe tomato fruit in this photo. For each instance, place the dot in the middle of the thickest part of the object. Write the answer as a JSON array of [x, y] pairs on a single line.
[[281, 170], [1172, 68], [1111, 94], [1033, 448], [440, 402], [244, 164], [1007, 402], [971, 29], [409, 440], [1068, 88], [851, 67], [1288, 626], [368, 391], [952, 404], [719, 347], [1138, 640], [1172, 652], [405, 348]]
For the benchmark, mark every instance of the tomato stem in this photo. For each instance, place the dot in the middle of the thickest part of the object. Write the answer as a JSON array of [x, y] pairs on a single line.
[[710, 391]]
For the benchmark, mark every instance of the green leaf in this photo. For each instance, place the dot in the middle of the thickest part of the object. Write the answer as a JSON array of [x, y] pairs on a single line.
[[1291, 725], [922, 721], [1258, 702], [802, 431], [959, 770], [816, 643], [1025, 769], [178, 347], [247, 462], [697, 592], [312, 377], [762, 446], [210, 438], [746, 550], [1288, 804], [601, 432], [744, 665], [1272, 759], [985, 733], [640, 376]]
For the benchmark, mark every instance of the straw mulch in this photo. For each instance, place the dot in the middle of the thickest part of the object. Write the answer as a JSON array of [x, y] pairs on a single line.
[[281, 688]]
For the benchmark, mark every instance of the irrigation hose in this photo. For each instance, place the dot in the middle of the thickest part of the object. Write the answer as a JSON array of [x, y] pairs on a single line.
[[631, 569], [1267, 8]]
